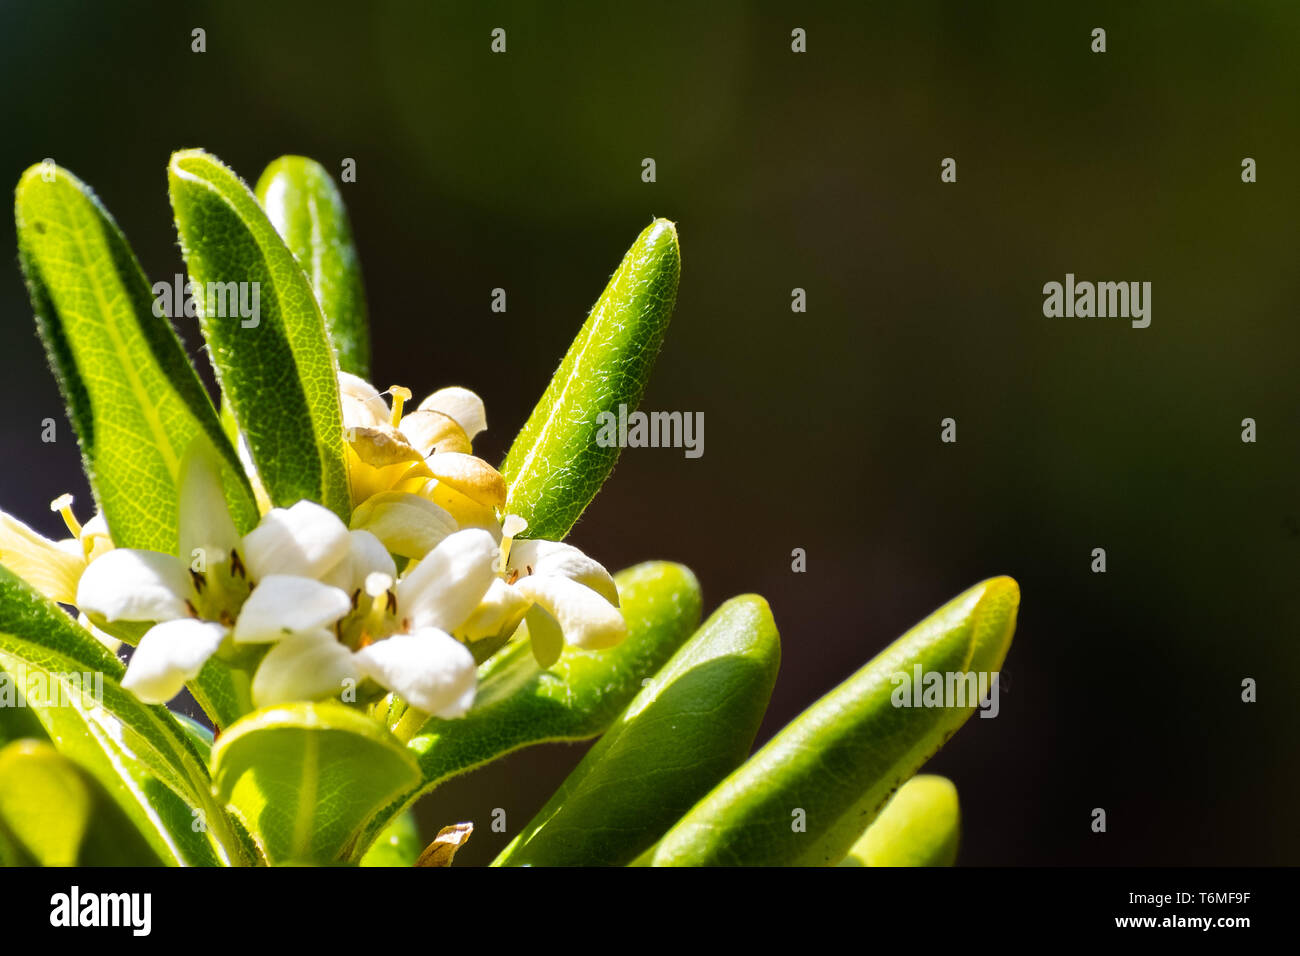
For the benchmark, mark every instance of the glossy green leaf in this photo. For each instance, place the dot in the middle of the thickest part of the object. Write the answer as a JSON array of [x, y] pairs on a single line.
[[304, 779], [53, 813], [59, 674], [199, 735], [277, 369], [520, 704], [398, 845], [134, 399], [306, 208], [557, 464], [920, 826], [807, 795], [690, 726]]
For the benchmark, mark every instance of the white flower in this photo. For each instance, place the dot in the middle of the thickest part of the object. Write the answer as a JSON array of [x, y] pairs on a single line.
[[401, 629], [258, 589], [295, 583], [421, 661], [564, 596]]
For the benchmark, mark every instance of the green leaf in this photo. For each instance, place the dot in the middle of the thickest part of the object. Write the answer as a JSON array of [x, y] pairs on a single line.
[[53, 813], [520, 704], [690, 726], [133, 397], [556, 464], [806, 796], [277, 369], [304, 779], [199, 735], [920, 826], [398, 845], [306, 208], [59, 674]]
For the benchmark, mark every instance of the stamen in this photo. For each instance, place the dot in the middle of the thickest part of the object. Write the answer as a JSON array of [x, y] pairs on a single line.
[[63, 505], [198, 579], [511, 526], [236, 565], [401, 396]]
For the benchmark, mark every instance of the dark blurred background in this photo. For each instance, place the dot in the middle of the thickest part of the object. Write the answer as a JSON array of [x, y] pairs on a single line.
[[819, 171]]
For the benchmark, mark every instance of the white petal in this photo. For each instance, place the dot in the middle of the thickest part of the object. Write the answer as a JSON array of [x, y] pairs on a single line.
[[96, 526], [462, 405], [42, 563], [366, 556], [169, 655], [501, 609], [407, 524], [308, 666], [545, 636], [114, 644], [586, 618], [552, 557], [306, 540], [130, 585], [204, 518], [95, 531], [282, 605], [430, 670], [362, 403], [443, 589]]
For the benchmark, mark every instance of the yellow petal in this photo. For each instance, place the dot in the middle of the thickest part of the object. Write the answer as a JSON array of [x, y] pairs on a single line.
[[368, 480], [381, 445], [467, 512], [430, 431], [408, 525], [472, 477], [462, 405], [39, 561]]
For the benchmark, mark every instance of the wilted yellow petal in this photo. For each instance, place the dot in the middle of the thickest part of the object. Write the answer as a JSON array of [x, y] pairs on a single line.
[[381, 445], [368, 480], [472, 477], [445, 844], [430, 432], [467, 512]]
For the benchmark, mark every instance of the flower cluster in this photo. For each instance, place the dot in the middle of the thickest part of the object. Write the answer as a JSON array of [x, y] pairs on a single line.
[[314, 607]]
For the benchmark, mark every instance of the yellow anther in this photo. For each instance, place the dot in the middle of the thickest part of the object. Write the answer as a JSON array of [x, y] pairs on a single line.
[[400, 397], [63, 505]]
